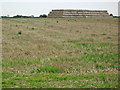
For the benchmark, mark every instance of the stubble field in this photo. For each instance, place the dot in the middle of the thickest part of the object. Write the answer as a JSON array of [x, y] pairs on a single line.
[[59, 52]]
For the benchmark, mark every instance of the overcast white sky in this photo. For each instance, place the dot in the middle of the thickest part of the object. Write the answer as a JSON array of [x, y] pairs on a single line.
[[37, 7], [59, 0]]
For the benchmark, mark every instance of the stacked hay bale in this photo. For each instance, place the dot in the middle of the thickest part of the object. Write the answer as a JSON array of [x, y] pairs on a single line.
[[78, 13]]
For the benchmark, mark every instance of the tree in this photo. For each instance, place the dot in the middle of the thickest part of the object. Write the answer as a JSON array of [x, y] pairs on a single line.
[[44, 16], [111, 14], [17, 16]]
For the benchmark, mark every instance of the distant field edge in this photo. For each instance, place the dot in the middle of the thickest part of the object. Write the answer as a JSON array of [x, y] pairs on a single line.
[[60, 88]]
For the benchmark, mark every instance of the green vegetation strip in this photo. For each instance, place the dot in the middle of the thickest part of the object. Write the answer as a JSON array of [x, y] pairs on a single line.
[[53, 80]]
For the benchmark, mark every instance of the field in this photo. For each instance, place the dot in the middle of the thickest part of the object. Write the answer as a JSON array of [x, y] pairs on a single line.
[[60, 52]]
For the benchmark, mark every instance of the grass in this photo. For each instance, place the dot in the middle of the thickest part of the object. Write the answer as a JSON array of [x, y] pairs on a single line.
[[41, 80], [76, 53]]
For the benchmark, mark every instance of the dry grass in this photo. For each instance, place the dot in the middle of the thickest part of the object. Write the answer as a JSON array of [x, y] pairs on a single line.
[[73, 45]]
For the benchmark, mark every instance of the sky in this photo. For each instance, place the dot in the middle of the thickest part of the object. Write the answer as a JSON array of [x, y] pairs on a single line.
[[38, 7]]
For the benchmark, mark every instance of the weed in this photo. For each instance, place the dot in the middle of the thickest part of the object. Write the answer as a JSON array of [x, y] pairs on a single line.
[[93, 35], [100, 66], [113, 66], [77, 30], [13, 37], [32, 71], [20, 32], [108, 37], [57, 21], [50, 69], [84, 44], [33, 28], [103, 34]]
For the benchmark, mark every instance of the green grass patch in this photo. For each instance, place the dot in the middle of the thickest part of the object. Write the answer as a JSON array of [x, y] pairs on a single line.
[[104, 57], [102, 79], [50, 69]]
